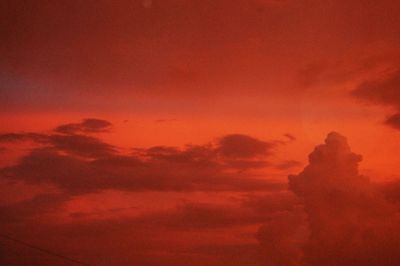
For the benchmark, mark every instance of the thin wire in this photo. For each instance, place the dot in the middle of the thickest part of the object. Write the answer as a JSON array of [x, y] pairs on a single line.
[[49, 252]]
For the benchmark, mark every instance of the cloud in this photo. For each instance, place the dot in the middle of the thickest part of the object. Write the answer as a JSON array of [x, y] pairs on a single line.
[[210, 233], [349, 222], [32, 208], [281, 239], [200, 227], [236, 151], [80, 145], [89, 125], [24, 136], [331, 215], [130, 173], [383, 91], [290, 136], [394, 121], [70, 138], [242, 146], [90, 165], [391, 191]]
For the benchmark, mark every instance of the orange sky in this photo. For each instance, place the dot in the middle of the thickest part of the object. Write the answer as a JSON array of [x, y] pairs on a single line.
[[192, 108]]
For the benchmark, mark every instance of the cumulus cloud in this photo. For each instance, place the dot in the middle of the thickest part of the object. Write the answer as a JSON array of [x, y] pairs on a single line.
[[349, 222]]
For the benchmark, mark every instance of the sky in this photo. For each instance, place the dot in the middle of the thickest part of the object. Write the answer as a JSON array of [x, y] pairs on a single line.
[[241, 132]]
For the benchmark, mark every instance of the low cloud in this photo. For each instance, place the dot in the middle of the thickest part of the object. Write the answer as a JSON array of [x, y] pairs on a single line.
[[88, 164], [25, 211], [242, 146]]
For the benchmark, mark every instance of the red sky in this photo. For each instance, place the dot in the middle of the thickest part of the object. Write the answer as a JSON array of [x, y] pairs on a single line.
[[163, 132]]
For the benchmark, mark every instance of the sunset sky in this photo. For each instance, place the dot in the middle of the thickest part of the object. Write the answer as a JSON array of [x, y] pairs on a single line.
[[197, 132]]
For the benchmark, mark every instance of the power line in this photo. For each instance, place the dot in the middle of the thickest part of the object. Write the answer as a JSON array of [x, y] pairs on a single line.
[[49, 252]]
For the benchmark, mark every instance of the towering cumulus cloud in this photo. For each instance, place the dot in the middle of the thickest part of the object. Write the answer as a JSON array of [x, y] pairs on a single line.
[[350, 223]]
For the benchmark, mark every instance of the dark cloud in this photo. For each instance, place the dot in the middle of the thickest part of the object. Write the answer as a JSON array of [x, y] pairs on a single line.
[[195, 216], [249, 210], [381, 91], [74, 144], [81, 145], [234, 151], [148, 233], [182, 173], [38, 206], [384, 91], [394, 121], [90, 125], [242, 146], [23, 136], [89, 164]]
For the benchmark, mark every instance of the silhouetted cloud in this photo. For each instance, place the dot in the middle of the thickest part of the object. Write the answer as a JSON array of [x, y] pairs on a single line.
[[80, 145], [90, 164], [130, 173], [89, 125], [23, 136], [394, 121], [242, 146], [384, 91]]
